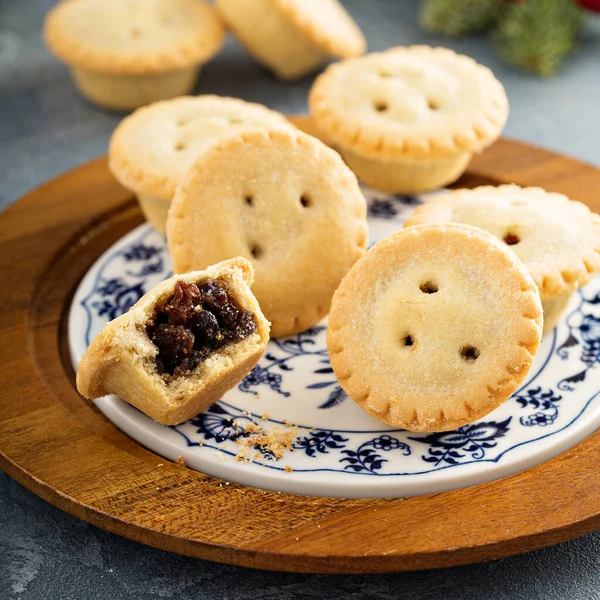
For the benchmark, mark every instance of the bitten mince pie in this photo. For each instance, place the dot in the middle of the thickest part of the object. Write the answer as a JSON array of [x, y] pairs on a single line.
[[181, 346], [293, 37], [435, 327], [151, 150], [409, 119], [284, 201], [127, 53], [557, 239]]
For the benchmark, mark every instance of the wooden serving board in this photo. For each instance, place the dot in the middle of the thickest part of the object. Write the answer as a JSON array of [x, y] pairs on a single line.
[[59, 446]]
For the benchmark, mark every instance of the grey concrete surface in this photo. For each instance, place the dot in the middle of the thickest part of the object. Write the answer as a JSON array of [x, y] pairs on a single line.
[[46, 128]]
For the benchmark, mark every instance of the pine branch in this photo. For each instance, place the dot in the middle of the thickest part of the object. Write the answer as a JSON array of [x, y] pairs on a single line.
[[537, 35], [458, 17]]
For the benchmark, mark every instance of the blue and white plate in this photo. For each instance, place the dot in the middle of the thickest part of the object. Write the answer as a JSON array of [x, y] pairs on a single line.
[[339, 450]]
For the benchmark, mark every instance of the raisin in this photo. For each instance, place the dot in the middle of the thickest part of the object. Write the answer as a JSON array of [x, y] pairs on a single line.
[[213, 294], [181, 307], [228, 316], [205, 327], [194, 323], [187, 364], [174, 342], [245, 325]]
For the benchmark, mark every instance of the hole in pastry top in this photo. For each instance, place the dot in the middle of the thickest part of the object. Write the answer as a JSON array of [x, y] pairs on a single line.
[[249, 200], [235, 121], [182, 122], [432, 104], [135, 34], [380, 105], [179, 146], [384, 74], [305, 200], [256, 251], [429, 287], [469, 354], [407, 340], [511, 239], [194, 323]]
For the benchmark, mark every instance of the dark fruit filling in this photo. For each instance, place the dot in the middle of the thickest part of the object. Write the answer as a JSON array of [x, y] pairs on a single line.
[[197, 321]]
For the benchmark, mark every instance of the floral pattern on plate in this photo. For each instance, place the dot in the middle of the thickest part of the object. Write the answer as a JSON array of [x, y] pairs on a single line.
[[337, 449]]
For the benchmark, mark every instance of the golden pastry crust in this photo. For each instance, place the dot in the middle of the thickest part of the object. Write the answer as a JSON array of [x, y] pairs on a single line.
[[557, 239], [292, 37], [128, 92], [121, 359], [412, 102], [327, 24], [152, 149], [435, 327], [132, 37], [286, 202]]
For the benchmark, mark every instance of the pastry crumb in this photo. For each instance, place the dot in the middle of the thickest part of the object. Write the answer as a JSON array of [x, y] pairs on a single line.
[[272, 443], [288, 469], [180, 461], [244, 454], [159, 518], [252, 428]]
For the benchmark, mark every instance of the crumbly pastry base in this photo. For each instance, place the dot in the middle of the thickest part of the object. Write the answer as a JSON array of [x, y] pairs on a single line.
[[155, 210], [435, 327], [128, 92], [287, 203], [406, 176], [120, 360], [134, 387], [554, 309], [271, 38]]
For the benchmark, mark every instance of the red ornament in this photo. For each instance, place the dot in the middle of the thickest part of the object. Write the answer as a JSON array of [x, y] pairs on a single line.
[[593, 5]]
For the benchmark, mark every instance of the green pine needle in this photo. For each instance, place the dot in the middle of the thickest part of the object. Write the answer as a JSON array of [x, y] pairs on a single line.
[[458, 17], [537, 35]]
